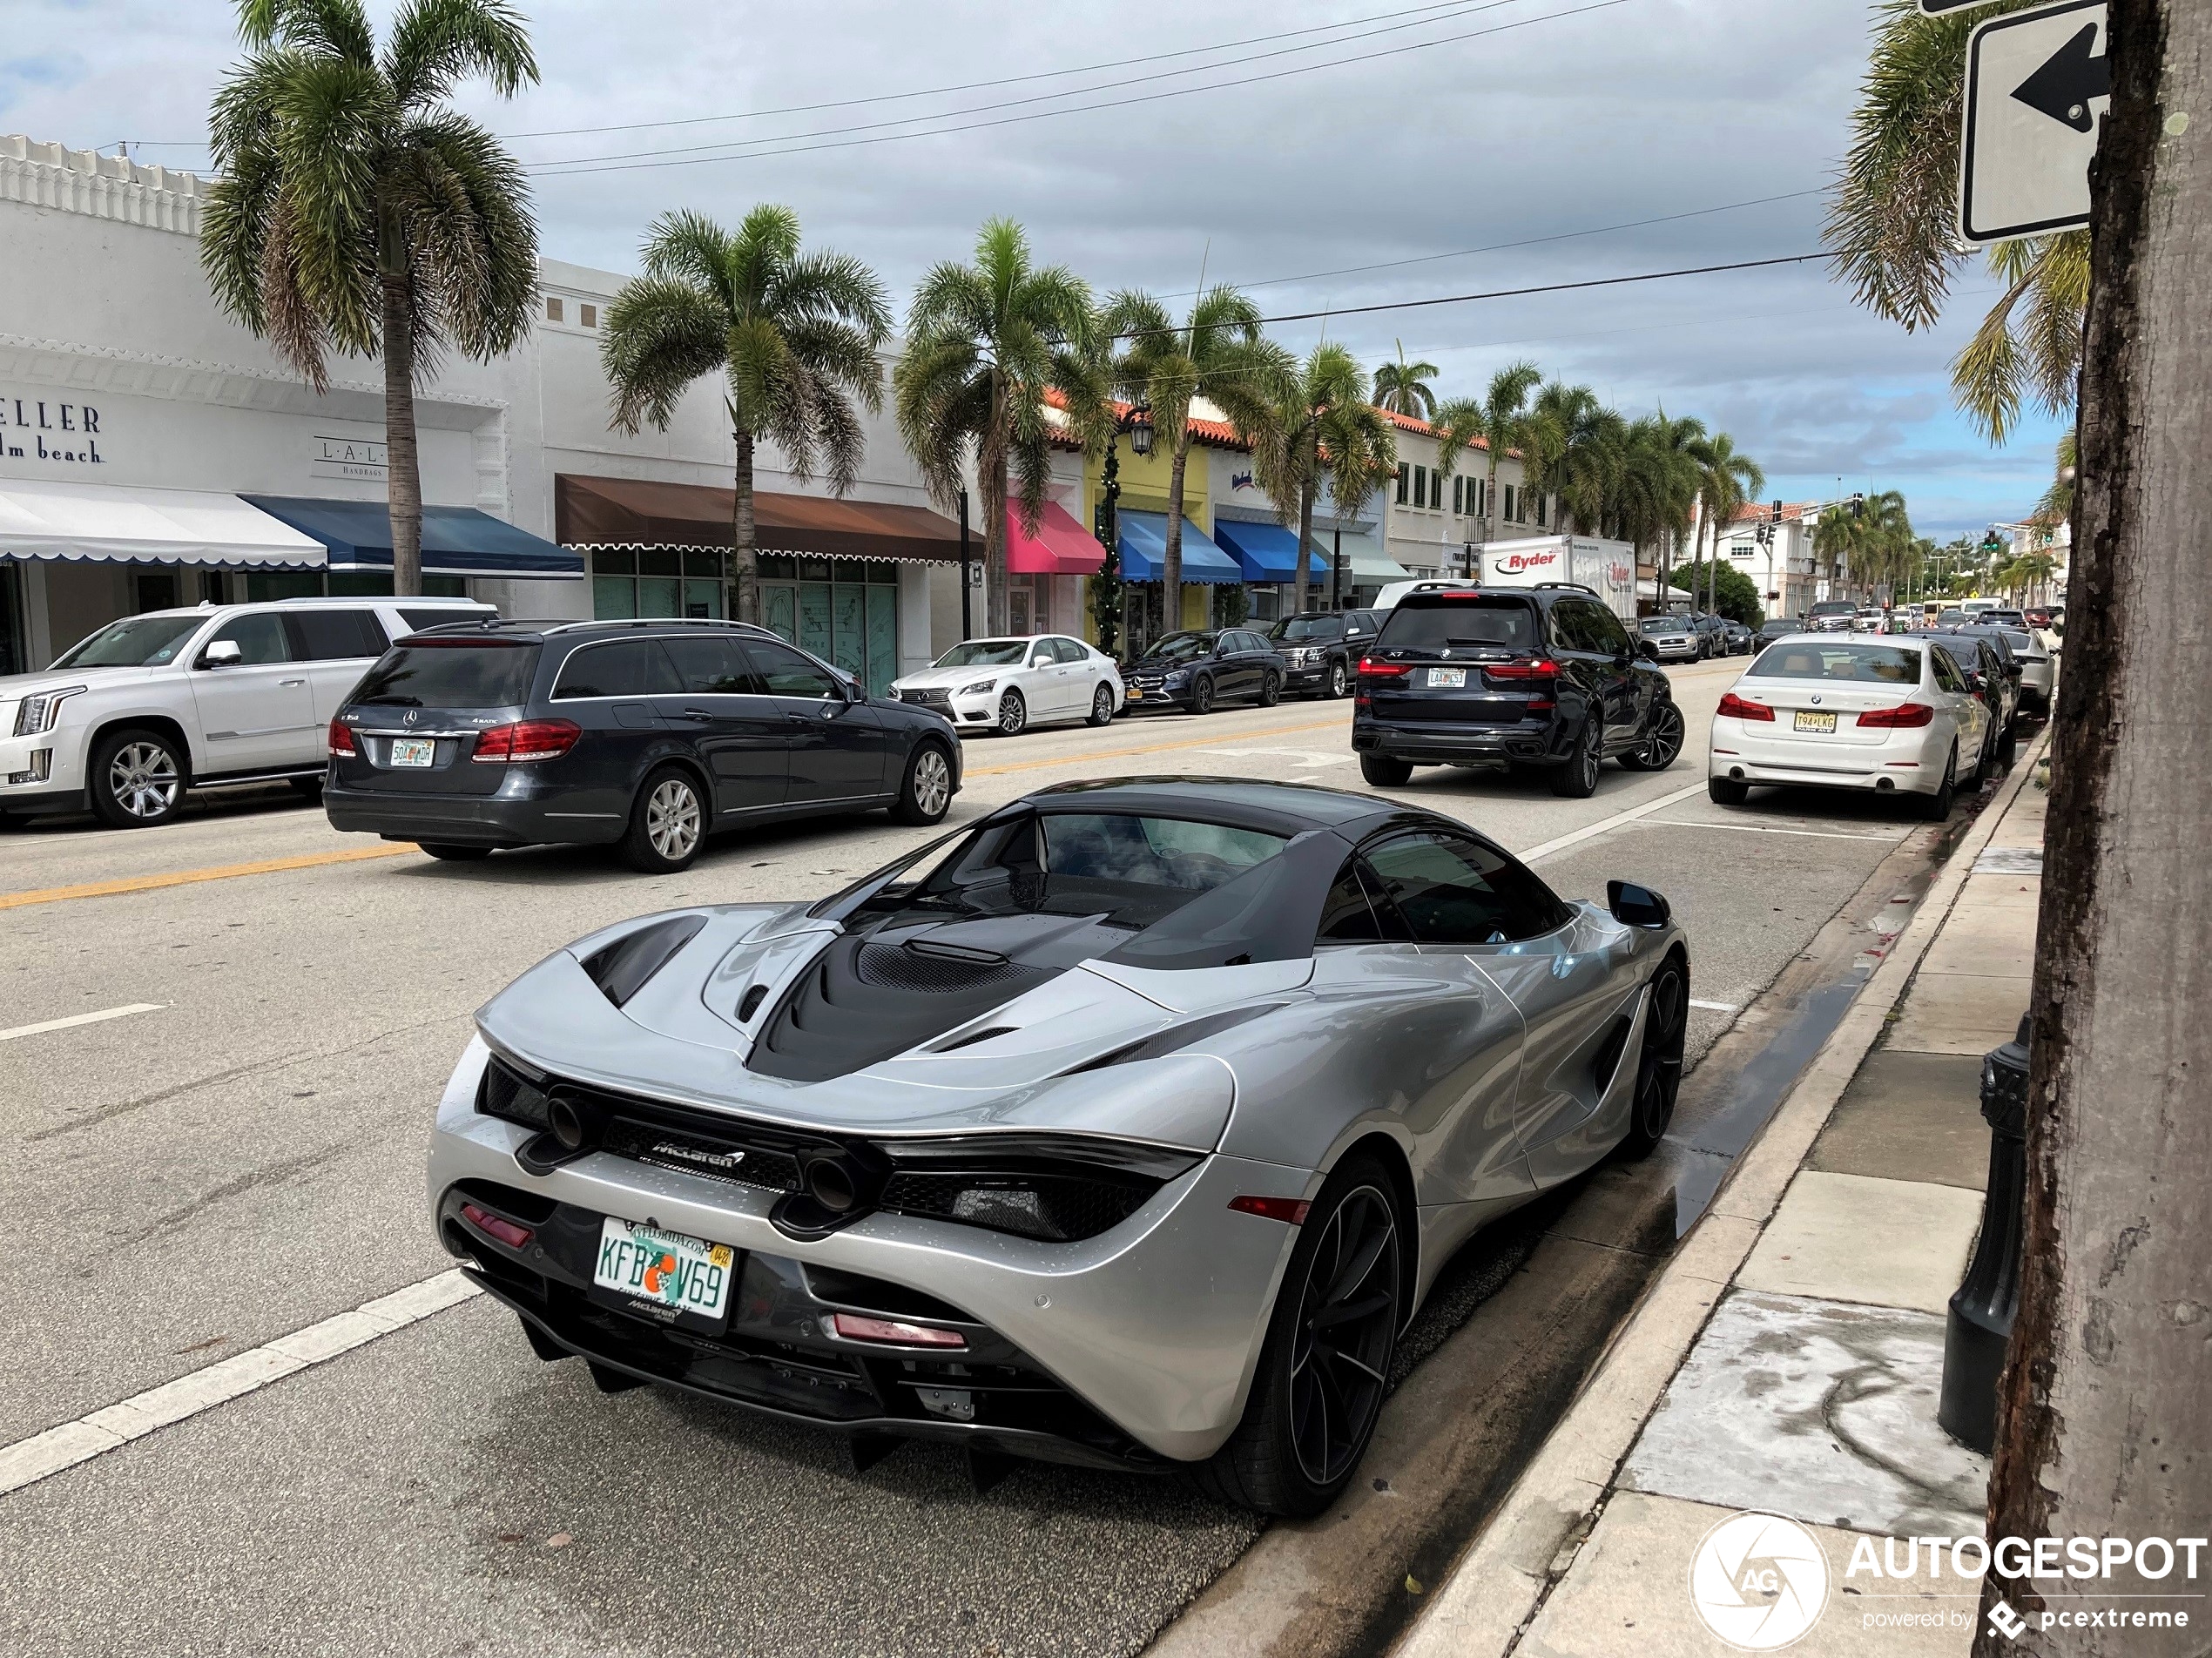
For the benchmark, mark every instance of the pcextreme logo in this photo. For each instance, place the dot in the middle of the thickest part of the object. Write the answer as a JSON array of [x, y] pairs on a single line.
[[1759, 1582]]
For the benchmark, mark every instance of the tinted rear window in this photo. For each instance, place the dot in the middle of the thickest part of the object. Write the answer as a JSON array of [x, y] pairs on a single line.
[[1842, 660], [478, 674], [1508, 625]]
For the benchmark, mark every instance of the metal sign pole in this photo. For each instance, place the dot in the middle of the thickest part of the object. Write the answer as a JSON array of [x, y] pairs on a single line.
[[967, 612]]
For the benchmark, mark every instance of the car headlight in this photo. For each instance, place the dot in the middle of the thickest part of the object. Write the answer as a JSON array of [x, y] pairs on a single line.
[[1178, 676], [38, 712], [979, 688]]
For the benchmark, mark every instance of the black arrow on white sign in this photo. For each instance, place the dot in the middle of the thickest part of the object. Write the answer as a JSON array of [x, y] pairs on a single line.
[[2063, 87]]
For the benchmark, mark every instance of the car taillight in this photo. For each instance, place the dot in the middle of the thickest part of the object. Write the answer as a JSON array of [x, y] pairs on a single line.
[[1542, 668], [1896, 718], [1369, 669], [526, 739], [342, 740], [1734, 707], [496, 1226]]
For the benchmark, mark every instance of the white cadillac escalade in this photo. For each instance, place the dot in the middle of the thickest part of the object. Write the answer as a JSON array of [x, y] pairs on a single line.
[[128, 719]]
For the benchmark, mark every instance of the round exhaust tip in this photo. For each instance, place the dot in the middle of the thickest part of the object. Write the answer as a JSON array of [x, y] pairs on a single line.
[[568, 1124], [1883, 785], [830, 1183], [1736, 772]]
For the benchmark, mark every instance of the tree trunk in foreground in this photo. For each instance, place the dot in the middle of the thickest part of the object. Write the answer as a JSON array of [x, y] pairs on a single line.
[[1171, 556], [402, 462], [2103, 1411], [745, 534]]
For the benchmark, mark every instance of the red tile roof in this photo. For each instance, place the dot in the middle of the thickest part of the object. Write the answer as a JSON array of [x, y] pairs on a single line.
[[1761, 512], [1414, 424]]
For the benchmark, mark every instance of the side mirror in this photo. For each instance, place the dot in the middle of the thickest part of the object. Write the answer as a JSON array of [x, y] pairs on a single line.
[[1648, 650], [1634, 906], [224, 653]]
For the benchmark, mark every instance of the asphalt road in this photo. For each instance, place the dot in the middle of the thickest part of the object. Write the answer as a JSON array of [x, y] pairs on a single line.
[[245, 1159]]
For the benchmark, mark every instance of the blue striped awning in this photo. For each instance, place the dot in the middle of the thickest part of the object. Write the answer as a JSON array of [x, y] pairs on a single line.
[[1145, 543]]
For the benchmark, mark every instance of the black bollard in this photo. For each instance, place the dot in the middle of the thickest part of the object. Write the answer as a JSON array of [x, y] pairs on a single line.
[[1982, 1307]]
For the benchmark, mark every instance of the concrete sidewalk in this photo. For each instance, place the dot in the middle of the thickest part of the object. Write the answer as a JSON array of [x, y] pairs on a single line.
[[1789, 1359]]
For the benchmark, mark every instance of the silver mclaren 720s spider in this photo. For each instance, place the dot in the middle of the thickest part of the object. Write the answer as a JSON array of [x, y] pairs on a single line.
[[1126, 1126]]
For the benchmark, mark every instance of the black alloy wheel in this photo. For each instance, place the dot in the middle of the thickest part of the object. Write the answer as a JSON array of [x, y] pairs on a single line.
[[926, 790], [1666, 1021], [137, 779], [1101, 706], [1201, 695], [1577, 779], [1383, 772], [1662, 745], [1270, 690], [1013, 714], [2008, 744], [1339, 679], [1325, 1368]]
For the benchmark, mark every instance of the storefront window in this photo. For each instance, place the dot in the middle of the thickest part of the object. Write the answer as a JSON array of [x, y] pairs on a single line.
[[15, 639], [657, 580], [264, 586], [845, 610]]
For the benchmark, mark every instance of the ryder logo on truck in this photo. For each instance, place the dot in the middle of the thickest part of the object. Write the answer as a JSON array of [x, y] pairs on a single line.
[[1528, 561]]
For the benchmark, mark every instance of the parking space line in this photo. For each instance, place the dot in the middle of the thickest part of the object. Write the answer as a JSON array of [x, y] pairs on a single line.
[[191, 877], [74, 1020], [1716, 1006], [1213, 741], [1770, 829], [1591, 831], [67, 1444]]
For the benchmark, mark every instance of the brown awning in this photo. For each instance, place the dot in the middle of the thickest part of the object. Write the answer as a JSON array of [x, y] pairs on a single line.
[[630, 512]]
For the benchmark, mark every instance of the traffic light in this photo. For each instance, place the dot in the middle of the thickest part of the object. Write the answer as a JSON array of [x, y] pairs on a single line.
[[1858, 506]]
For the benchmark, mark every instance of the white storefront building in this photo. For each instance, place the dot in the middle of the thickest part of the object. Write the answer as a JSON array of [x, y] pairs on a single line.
[[153, 452]]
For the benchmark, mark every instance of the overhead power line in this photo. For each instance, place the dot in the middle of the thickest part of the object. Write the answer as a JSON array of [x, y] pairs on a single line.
[[642, 160], [1508, 294]]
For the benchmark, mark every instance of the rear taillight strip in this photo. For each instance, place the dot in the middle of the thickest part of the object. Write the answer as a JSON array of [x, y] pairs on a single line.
[[526, 740]]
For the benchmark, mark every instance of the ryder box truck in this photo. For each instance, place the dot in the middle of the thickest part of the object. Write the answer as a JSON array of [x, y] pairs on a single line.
[[1607, 568]]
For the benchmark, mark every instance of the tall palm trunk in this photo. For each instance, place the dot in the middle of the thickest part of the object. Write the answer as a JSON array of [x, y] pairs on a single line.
[[745, 534], [1172, 558], [403, 465], [992, 465], [1304, 539], [1491, 500]]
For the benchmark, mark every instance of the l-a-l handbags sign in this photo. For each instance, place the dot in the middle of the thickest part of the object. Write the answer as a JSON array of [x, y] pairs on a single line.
[[349, 457], [46, 428]]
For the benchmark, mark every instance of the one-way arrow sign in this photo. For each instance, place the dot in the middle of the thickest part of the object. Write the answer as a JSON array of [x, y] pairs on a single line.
[[2032, 80]]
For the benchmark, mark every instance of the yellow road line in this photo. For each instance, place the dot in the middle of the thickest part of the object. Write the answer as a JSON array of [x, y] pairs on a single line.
[[1221, 739], [191, 877]]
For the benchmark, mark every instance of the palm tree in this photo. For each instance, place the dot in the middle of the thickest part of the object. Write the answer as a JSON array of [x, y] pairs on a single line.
[[1571, 449], [986, 343], [1501, 420], [1727, 482], [1403, 388], [1321, 428], [794, 337], [1656, 483], [1892, 221], [1216, 353], [357, 211]]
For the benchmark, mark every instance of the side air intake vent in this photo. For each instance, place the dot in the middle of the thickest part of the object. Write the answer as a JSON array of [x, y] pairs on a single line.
[[621, 969]]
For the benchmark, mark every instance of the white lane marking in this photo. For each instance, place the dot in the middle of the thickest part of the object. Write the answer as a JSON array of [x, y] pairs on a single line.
[[1306, 757], [27, 1461], [1768, 829], [1593, 831], [1716, 1006], [82, 1018]]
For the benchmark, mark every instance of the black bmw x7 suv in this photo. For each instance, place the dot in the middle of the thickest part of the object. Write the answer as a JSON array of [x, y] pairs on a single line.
[[1499, 678]]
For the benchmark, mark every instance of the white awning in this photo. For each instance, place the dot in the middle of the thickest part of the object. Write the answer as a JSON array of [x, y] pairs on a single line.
[[43, 519]]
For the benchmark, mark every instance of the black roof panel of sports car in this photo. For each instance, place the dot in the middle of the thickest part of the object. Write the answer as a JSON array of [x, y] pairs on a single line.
[[1282, 807]]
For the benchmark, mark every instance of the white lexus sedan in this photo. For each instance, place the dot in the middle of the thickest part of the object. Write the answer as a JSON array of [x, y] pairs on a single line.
[[1008, 684], [1829, 711]]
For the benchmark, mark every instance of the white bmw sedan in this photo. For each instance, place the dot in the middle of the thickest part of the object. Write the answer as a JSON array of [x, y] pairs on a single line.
[[1829, 711], [1008, 684]]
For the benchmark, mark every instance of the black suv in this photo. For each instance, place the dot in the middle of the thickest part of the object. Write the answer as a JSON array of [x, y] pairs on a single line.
[[649, 735], [1504, 677], [1323, 648]]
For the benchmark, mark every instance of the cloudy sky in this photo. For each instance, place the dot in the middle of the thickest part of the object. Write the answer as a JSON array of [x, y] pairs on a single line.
[[1327, 154]]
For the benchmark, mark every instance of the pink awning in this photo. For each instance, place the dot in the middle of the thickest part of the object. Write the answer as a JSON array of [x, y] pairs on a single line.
[[1061, 547]]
